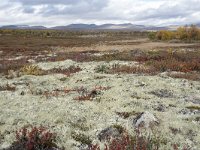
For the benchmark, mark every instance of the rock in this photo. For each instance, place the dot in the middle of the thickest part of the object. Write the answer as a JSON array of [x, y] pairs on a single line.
[[113, 131], [146, 120]]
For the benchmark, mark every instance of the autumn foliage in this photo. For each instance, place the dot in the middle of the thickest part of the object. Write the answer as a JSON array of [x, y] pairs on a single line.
[[186, 33]]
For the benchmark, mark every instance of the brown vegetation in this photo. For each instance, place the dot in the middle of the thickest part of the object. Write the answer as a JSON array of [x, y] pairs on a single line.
[[7, 88], [36, 138]]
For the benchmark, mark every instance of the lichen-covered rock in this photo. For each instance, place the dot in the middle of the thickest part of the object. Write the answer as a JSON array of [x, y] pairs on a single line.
[[145, 120]]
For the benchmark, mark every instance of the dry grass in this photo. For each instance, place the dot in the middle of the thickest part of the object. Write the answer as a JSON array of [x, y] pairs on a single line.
[[31, 70]]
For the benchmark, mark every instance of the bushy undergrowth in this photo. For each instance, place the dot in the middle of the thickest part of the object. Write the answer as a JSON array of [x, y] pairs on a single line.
[[35, 138], [128, 142], [137, 142], [188, 34]]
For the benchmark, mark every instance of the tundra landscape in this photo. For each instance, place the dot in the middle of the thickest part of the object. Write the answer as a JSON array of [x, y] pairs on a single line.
[[99, 75], [99, 90]]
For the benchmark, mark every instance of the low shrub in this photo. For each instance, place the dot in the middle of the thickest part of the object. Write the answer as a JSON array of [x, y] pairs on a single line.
[[137, 142], [35, 138], [128, 142]]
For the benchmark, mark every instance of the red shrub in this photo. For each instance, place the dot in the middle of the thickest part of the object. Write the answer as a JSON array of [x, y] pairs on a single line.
[[34, 139]]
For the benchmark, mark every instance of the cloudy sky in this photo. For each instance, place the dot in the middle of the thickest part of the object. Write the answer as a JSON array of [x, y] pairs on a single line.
[[63, 12]]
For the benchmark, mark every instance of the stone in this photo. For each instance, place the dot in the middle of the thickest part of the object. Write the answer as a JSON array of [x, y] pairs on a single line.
[[145, 120]]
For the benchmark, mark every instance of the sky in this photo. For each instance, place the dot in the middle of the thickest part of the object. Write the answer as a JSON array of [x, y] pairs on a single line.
[[63, 12]]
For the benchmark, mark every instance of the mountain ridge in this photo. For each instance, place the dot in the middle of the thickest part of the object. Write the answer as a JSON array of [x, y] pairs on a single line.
[[82, 26]]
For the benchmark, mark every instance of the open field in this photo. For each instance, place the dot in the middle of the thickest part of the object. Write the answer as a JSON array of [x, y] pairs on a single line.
[[90, 86]]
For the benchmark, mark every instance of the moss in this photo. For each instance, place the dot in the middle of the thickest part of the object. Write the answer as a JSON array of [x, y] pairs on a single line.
[[119, 128]]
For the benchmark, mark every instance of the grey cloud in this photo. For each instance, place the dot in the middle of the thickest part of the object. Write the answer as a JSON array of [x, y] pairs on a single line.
[[166, 11], [28, 10], [101, 11], [72, 7], [41, 2]]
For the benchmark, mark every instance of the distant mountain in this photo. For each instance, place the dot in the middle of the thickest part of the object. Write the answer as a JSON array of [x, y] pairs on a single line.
[[75, 26], [126, 26], [23, 27]]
